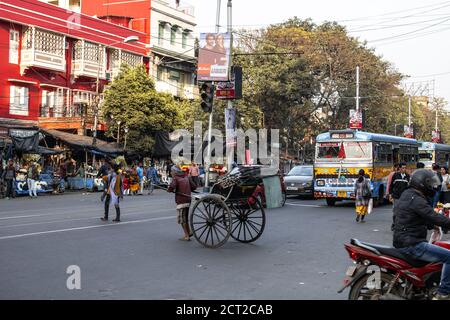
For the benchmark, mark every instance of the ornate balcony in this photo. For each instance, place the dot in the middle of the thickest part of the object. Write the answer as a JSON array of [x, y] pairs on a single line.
[[42, 49], [89, 60]]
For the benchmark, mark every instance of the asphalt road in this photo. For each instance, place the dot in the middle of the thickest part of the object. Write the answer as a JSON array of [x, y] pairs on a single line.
[[299, 256]]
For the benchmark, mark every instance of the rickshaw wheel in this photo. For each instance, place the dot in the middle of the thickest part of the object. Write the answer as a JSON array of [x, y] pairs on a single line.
[[249, 219], [210, 221]]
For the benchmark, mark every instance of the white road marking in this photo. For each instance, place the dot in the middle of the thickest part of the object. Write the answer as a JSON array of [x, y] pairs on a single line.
[[304, 205], [100, 208], [83, 228], [77, 219]]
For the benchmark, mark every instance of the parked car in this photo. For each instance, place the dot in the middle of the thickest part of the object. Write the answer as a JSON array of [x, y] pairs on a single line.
[[300, 181]]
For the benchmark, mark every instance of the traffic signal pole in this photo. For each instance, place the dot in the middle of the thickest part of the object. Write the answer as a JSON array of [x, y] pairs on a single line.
[[230, 155], [208, 156]]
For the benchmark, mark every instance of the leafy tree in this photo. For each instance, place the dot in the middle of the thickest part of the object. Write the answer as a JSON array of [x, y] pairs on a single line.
[[133, 100]]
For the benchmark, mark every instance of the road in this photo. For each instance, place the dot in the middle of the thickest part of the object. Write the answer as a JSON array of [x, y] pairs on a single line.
[[299, 256]]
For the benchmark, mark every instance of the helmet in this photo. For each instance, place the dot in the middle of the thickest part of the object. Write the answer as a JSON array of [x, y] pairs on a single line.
[[426, 181]]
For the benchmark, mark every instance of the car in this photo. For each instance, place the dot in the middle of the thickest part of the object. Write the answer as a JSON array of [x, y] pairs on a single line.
[[300, 181]]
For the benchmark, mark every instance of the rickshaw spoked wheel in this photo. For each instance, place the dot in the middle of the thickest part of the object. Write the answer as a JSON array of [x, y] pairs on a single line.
[[210, 221], [249, 219]]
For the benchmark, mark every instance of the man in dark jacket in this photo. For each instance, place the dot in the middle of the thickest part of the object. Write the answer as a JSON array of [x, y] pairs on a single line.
[[182, 185], [413, 217], [399, 182], [9, 175]]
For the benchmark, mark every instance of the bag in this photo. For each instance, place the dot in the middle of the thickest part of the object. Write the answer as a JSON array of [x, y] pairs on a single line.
[[370, 206], [366, 193]]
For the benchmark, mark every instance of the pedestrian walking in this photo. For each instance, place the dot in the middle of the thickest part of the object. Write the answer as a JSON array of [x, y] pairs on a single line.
[[194, 171], [140, 173], [113, 192], [9, 176], [388, 191], [134, 182], [33, 177], [182, 185], [445, 190], [152, 178], [399, 184], [362, 195]]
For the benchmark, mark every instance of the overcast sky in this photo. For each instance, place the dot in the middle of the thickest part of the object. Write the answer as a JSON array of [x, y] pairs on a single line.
[[412, 34]]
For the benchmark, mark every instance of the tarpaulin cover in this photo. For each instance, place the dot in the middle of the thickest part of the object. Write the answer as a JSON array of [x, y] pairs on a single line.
[[85, 142], [272, 191], [26, 144], [163, 145]]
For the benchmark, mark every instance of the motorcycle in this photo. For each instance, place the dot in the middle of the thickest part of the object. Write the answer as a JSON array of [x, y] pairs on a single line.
[[385, 273]]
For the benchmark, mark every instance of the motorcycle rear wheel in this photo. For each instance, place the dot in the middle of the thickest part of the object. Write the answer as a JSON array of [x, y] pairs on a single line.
[[360, 290]]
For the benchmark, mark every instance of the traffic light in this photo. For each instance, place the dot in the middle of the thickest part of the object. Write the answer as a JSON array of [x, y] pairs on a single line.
[[207, 95]]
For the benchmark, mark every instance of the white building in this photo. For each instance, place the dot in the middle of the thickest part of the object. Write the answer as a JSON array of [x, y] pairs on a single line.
[[72, 5], [173, 62]]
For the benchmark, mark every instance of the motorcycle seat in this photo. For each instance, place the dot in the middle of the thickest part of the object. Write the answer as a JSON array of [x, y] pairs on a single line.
[[392, 252]]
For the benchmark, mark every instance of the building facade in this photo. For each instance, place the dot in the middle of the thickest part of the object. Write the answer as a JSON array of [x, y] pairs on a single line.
[[55, 61], [170, 36]]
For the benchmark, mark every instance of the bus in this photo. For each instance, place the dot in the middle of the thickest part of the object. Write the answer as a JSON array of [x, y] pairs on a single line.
[[430, 152], [340, 154]]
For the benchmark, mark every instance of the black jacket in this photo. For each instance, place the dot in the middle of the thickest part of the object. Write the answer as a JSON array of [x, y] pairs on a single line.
[[398, 184], [413, 216]]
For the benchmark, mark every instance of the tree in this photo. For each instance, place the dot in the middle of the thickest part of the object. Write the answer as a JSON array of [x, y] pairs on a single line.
[[133, 100]]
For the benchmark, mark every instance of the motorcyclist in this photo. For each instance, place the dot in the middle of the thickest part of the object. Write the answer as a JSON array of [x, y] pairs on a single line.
[[413, 216]]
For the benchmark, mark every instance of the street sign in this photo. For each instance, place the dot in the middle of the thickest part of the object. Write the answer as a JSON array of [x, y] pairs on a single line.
[[231, 89], [436, 136]]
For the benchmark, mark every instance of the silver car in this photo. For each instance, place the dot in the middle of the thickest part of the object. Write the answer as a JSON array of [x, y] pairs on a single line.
[[299, 181]]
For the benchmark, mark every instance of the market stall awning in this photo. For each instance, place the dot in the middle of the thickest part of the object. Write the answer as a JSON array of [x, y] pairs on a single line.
[[84, 142]]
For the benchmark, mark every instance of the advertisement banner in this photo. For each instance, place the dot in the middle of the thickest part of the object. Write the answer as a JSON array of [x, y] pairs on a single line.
[[355, 119], [213, 56], [408, 132], [230, 125], [231, 89], [436, 136]]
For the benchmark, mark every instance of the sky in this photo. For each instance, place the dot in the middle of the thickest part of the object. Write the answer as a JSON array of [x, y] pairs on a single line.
[[411, 34]]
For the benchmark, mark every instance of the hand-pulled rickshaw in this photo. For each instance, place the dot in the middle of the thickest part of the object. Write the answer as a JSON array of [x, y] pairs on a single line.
[[232, 208]]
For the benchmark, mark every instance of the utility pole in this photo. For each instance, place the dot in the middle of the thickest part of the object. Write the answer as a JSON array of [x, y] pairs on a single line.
[[208, 156], [230, 155], [409, 111], [97, 102], [357, 89]]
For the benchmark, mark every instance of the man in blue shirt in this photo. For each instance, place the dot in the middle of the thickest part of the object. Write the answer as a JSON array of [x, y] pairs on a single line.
[[152, 178], [140, 173]]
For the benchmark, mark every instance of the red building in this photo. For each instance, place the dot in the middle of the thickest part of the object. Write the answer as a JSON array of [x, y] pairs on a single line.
[[50, 59]]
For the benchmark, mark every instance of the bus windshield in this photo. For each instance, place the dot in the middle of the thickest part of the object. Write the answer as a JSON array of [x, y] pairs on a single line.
[[344, 150], [425, 155]]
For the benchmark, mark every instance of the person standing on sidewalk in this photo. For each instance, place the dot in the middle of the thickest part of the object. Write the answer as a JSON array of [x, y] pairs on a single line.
[[9, 176], [33, 177], [183, 186], [113, 192]]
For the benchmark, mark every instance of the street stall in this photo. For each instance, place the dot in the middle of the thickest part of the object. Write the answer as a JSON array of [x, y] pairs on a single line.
[[78, 173]]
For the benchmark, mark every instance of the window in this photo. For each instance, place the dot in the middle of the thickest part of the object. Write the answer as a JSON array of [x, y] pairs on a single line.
[[18, 103], [184, 40], [161, 34], [14, 46], [173, 34]]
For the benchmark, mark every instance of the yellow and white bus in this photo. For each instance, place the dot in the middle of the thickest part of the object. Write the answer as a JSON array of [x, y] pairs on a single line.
[[340, 154], [430, 152]]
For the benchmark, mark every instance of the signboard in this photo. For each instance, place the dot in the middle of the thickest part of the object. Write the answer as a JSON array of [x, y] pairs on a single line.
[[408, 132], [355, 119], [231, 89], [230, 126], [213, 56], [436, 136]]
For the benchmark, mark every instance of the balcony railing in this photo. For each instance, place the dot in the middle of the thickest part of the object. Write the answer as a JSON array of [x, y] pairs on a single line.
[[42, 49], [88, 60]]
